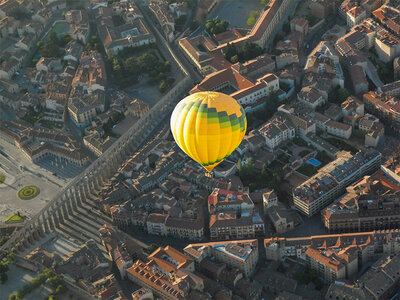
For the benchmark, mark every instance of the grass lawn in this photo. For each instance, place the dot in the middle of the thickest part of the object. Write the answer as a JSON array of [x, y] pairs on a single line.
[[308, 170], [2, 178], [15, 218]]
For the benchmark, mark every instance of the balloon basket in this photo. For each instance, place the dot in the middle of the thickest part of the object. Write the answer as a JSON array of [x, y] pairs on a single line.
[[208, 174]]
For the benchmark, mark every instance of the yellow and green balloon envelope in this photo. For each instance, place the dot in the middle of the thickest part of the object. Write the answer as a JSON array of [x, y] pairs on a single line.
[[208, 127]]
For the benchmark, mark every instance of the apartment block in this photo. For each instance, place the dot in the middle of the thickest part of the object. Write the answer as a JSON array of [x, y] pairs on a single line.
[[241, 254], [331, 180]]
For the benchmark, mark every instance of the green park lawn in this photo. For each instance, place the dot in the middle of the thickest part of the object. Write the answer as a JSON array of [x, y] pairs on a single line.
[[15, 218]]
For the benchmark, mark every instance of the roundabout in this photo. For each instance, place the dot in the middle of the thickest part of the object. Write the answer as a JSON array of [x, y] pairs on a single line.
[[28, 192]]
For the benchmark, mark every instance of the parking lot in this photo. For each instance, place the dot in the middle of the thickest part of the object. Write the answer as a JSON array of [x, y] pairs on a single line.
[[236, 12]]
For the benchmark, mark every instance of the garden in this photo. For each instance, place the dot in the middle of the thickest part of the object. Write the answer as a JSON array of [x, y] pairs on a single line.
[[28, 192], [48, 276], [269, 177], [129, 65], [15, 218], [2, 178], [309, 170], [4, 266]]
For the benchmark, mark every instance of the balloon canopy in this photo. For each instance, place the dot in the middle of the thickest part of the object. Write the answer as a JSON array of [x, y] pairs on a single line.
[[208, 127]]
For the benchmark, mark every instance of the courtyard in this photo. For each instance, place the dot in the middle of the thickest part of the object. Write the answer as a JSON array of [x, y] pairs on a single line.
[[145, 91], [60, 27]]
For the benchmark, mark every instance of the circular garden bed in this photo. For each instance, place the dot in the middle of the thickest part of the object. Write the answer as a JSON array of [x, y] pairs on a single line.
[[28, 192]]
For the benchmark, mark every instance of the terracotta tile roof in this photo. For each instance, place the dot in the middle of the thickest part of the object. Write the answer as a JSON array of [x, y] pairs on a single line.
[[224, 76]]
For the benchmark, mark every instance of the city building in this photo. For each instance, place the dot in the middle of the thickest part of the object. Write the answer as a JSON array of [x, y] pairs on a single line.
[[335, 257], [371, 203], [279, 129], [387, 109], [331, 180], [241, 254], [264, 30], [97, 144], [300, 117], [206, 55], [311, 97], [355, 15], [358, 79], [299, 25], [233, 215], [87, 97], [351, 106], [380, 281], [121, 26], [39, 143], [130, 35], [323, 69], [281, 218], [391, 89], [199, 50], [389, 17], [246, 91], [168, 273], [255, 68], [396, 68], [332, 127]]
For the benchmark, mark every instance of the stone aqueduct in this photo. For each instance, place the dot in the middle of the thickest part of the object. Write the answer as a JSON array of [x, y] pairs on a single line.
[[86, 184]]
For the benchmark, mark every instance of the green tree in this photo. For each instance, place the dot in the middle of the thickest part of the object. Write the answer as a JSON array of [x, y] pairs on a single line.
[[338, 95], [60, 289], [251, 21], [163, 86], [19, 13], [230, 51], [234, 59], [342, 94], [53, 37], [312, 20], [251, 50], [4, 267], [3, 277], [12, 297], [253, 16], [216, 26]]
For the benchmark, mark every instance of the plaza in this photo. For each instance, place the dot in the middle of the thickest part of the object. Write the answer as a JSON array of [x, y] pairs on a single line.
[[19, 172]]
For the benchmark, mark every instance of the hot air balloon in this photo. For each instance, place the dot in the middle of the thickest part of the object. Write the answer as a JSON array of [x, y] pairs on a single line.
[[208, 127]]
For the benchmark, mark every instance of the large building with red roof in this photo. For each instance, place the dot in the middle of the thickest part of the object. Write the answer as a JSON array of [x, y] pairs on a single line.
[[208, 55], [246, 91], [168, 273]]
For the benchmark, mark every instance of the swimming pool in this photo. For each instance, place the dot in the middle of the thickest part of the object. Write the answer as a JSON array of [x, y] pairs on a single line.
[[313, 162]]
